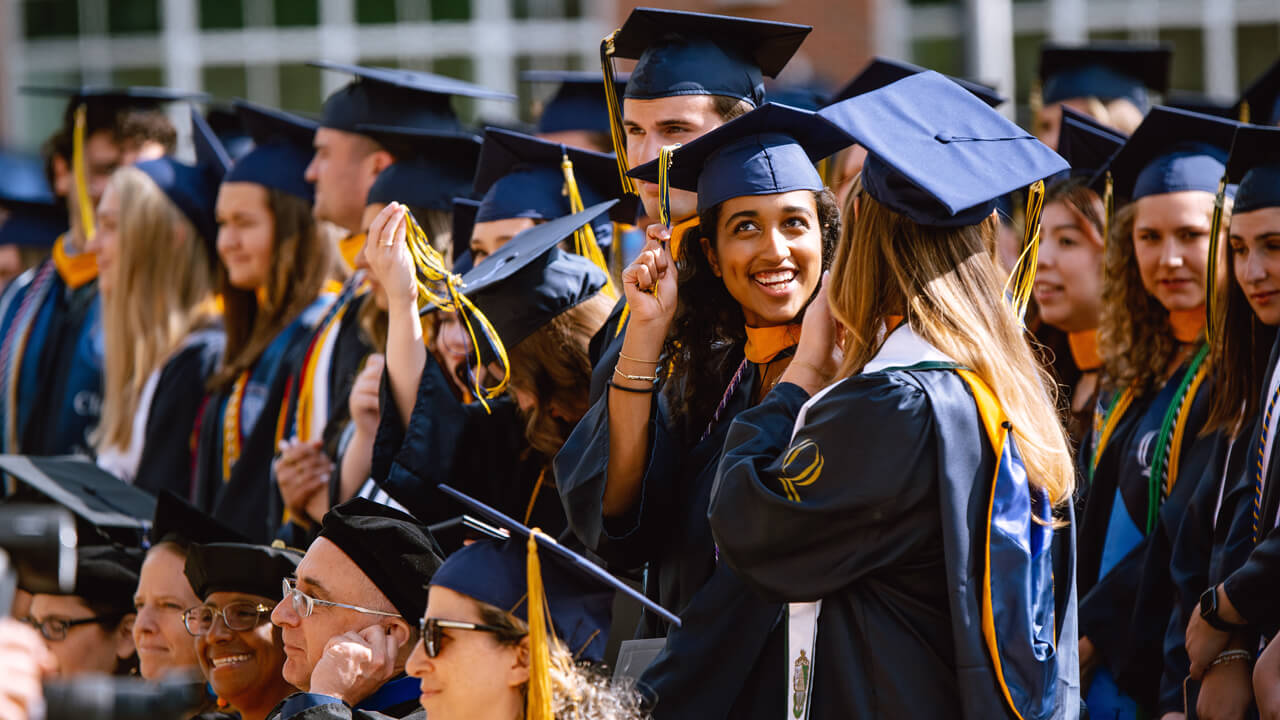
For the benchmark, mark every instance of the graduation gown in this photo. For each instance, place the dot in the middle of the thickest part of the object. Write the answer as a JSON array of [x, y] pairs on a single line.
[[483, 454], [882, 530], [397, 698], [239, 490], [712, 667]]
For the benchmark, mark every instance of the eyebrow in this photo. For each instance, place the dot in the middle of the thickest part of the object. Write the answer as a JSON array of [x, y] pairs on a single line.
[[311, 582], [1067, 226]]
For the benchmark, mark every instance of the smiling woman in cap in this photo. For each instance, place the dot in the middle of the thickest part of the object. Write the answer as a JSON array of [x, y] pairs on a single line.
[[154, 247], [870, 495]]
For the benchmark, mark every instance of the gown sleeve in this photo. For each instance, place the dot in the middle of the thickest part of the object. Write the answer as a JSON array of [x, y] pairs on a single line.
[[167, 461], [1254, 587], [853, 492]]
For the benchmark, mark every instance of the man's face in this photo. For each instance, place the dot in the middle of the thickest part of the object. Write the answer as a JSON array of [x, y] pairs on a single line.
[[651, 124], [343, 169], [103, 155], [325, 573]]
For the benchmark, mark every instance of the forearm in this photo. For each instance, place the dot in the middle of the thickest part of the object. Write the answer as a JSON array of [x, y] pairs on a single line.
[[406, 356], [357, 464], [629, 413]]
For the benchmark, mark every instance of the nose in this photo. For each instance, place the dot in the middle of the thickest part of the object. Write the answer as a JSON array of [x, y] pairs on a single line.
[[283, 614], [418, 663], [145, 621], [1170, 253], [218, 630], [312, 171], [1046, 254]]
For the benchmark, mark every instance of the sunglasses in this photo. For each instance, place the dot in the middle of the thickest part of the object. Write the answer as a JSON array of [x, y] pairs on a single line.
[[432, 631]]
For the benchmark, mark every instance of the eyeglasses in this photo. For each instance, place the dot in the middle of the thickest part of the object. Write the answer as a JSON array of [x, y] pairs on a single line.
[[238, 616], [431, 631], [304, 604], [54, 629]]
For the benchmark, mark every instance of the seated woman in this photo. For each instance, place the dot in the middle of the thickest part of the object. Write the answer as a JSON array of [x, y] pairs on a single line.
[[274, 267], [239, 650], [89, 631], [487, 651], [873, 495], [155, 251], [1156, 396], [713, 323]]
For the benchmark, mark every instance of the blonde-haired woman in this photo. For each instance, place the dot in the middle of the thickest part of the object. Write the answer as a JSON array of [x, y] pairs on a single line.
[[914, 497], [275, 266], [163, 335], [1146, 454]]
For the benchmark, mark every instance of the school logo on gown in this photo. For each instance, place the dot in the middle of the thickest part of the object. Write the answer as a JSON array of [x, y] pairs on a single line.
[[800, 686], [801, 466]]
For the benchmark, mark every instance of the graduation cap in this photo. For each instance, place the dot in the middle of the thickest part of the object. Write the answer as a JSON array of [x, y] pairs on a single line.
[[431, 167], [103, 505], [1260, 102], [104, 103], [194, 188], [35, 217], [1171, 151], [805, 97], [529, 281], [240, 568], [944, 168], [389, 96], [1104, 70], [394, 550], [226, 124], [1201, 103], [1086, 143], [1255, 164], [464, 222], [767, 151], [107, 576], [282, 149], [579, 103], [178, 521], [882, 71], [575, 593]]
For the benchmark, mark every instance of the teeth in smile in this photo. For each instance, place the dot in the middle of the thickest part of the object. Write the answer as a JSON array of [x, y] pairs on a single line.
[[230, 660], [775, 278]]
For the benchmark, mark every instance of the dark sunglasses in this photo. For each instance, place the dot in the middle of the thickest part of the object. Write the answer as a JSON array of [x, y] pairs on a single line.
[[432, 633]]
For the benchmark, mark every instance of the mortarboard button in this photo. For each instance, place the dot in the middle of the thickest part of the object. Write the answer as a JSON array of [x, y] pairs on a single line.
[[882, 71], [1171, 151], [194, 189], [1255, 164], [431, 167], [1104, 70], [282, 149], [390, 96]]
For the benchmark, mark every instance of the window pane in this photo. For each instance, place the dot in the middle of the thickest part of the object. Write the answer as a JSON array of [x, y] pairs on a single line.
[[1187, 72], [138, 76], [299, 86], [221, 14], [450, 9], [371, 12], [127, 16], [225, 81], [297, 13], [50, 18]]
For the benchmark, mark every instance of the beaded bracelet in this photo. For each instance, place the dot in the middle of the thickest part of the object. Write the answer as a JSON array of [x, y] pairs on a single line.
[[636, 378], [1231, 656]]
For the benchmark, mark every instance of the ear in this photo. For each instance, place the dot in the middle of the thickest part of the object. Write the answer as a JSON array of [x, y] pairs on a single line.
[[518, 673], [381, 159], [61, 175], [124, 637], [399, 630], [712, 258]]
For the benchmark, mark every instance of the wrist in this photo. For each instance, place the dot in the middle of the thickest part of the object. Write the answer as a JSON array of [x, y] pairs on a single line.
[[1226, 610]]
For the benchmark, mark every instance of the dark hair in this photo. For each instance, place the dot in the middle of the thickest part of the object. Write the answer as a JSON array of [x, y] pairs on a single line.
[[131, 128], [707, 333], [729, 108]]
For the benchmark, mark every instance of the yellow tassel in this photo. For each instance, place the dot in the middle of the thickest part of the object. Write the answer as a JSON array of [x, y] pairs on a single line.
[[81, 175], [539, 695], [1244, 111], [440, 287], [615, 113], [1108, 207], [664, 183], [584, 238], [1022, 279], [1214, 307]]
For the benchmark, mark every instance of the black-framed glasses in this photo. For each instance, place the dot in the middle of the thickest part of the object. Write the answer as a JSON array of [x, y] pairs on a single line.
[[54, 629], [304, 604], [238, 616], [431, 630]]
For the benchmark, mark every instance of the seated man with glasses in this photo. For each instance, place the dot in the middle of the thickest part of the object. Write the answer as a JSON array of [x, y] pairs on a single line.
[[240, 652], [349, 620], [90, 631]]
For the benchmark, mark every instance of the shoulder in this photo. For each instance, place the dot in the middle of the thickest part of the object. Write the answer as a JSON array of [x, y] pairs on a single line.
[[880, 395]]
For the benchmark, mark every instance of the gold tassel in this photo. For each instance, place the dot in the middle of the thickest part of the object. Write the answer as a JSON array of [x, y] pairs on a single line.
[[584, 238], [432, 273], [1108, 207], [664, 183], [1244, 111], [539, 695], [81, 174], [1211, 271], [615, 113], [1023, 277]]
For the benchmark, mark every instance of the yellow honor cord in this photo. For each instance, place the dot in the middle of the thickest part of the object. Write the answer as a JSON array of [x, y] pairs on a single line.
[[432, 274], [664, 183], [80, 174], [1023, 277], [1214, 305], [539, 696], [1108, 207], [615, 113], [584, 238], [1244, 111]]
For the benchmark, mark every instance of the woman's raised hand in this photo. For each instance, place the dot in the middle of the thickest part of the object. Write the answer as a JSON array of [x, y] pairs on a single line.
[[388, 255], [649, 282]]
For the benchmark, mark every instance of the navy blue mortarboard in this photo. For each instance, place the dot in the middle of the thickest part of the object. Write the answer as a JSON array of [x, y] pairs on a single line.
[[464, 222], [1171, 151], [405, 98], [883, 71], [227, 125], [281, 150], [767, 151], [239, 568], [1104, 70], [104, 506], [530, 280], [178, 521], [805, 97], [107, 576], [194, 189], [1255, 165], [103, 102], [34, 217], [1260, 102], [945, 168], [1201, 103], [578, 593], [430, 169], [579, 102], [1086, 143], [521, 176]]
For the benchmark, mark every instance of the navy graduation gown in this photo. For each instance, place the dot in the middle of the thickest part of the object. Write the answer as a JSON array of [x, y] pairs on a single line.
[[715, 665]]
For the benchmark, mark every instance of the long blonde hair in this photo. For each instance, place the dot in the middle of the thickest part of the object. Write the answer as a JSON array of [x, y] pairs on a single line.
[[162, 291], [947, 284]]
